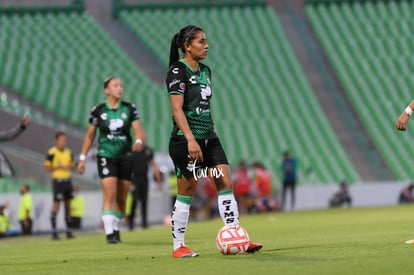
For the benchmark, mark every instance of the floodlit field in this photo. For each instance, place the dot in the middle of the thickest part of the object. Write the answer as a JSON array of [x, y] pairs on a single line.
[[341, 241]]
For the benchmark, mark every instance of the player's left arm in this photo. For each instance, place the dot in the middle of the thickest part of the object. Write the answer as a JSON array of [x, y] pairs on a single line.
[[139, 135], [139, 132], [402, 120]]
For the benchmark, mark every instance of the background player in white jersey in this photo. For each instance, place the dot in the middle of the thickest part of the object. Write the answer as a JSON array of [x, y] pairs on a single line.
[[194, 144]]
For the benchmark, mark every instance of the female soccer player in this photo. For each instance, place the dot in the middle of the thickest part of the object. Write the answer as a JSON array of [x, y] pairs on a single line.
[[114, 118], [194, 145]]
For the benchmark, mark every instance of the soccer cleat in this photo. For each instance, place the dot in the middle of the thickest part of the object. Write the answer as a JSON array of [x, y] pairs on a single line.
[[117, 236], [55, 237], [111, 238], [183, 252], [410, 241], [69, 235], [253, 247]]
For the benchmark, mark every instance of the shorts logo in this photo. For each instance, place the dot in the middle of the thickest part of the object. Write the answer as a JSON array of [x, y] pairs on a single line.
[[105, 171], [203, 172]]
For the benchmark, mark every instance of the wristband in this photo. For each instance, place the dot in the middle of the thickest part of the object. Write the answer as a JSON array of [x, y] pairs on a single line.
[[408, 110], [82, 157], [138, 140]]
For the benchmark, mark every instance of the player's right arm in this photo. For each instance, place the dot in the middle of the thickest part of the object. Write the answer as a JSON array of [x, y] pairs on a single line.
[[88, 139], [176, 85], [402, 120], [87, 143]]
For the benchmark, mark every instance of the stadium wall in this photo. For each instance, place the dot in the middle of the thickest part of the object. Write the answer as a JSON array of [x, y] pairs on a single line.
[[158, 208], [364, 194], [309, 197]]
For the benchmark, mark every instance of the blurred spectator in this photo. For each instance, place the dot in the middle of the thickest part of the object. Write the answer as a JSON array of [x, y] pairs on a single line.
[[406, 195], [15, 131], [77, 209], [25, 210], [242, 187], [264, 200], [4, 221], [289, 178], [141, 161], [341, 197], [172, 183], [210, 192]]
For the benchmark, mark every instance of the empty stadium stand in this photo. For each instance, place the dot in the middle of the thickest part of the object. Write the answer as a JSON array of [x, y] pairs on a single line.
[[370, 47]]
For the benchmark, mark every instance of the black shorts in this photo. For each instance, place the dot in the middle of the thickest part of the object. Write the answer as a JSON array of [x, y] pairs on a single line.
[[62, 189], [213, 154], [120, 168]]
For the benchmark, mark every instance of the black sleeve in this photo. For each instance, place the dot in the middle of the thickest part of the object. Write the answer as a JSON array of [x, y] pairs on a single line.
[[94, 115], [12, 133], [176, 79], [133, 112]]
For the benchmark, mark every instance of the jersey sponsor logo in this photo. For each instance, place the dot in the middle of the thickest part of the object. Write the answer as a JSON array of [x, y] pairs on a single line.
[[175, 81], [175, 70], [205, 92], [202, 111], [104, 116], [115, 124]]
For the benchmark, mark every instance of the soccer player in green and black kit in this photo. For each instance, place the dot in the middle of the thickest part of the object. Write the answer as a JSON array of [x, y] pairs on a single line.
[[194, 146], [114, 119]]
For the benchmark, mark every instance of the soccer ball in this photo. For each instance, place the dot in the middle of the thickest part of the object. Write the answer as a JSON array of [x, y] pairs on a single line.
[[232, 239]]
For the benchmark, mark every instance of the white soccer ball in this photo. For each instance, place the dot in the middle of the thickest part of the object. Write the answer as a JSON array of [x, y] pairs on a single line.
[[232, 239]]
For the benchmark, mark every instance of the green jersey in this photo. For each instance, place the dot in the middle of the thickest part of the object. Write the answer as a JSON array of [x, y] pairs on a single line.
[[114, 128], [195, 86]]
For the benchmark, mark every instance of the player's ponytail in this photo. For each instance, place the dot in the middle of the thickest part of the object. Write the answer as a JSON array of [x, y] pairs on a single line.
[[174, 55], [185, 35]]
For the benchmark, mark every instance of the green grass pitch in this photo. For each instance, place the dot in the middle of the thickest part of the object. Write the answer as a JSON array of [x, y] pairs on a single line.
[[340, 241]]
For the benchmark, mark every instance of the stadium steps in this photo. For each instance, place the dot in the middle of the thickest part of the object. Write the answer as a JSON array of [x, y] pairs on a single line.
[[334, 101], [368, 44], [265, 104]]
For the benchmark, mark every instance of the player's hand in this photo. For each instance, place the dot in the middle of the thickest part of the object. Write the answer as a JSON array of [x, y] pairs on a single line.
[[81, 167], [402, 121], [136, 147], [194, 150], [25, 122]]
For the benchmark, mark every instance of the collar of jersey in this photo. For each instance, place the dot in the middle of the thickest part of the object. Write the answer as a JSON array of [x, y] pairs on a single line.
[[109, 106], [188, 66]]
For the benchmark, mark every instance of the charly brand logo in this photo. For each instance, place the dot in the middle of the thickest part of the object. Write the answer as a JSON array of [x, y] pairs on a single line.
[[204, 172]]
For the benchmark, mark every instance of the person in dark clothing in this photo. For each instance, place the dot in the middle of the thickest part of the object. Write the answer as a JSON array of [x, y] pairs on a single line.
[[289, 178], [140, 164], [341, 197], [15, 131]]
